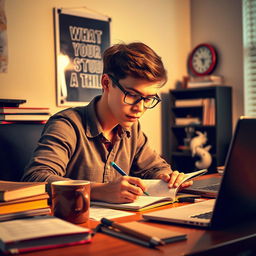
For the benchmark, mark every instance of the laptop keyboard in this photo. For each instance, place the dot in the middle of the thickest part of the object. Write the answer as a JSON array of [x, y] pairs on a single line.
[[212, 187], [206, 215]]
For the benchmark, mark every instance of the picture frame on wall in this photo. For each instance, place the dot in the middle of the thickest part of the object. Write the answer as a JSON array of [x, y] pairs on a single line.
[[80, 40]]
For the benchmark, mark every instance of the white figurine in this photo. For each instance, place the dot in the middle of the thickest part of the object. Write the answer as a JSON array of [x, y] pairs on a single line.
[[205, 157], [196, 146]]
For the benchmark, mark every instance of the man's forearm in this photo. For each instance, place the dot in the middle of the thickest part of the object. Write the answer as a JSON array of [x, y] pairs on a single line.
[[99, 191]]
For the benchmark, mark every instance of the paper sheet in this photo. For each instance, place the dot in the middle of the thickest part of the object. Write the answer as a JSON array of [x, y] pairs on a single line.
[[97, 213]]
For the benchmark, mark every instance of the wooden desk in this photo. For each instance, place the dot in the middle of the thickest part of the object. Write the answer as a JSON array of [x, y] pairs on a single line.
[[230, 241]]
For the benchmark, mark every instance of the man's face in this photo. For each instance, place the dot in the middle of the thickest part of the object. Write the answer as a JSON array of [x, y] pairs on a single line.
[[124, 114]]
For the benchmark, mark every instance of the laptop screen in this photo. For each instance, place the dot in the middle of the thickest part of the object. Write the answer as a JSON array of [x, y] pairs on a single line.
[[237, 196]]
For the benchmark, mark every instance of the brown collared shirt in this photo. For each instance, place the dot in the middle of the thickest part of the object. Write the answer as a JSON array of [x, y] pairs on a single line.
[[71, 147]]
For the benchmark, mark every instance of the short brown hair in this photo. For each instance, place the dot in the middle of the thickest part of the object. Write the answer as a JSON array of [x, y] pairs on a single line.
[[136, 60]]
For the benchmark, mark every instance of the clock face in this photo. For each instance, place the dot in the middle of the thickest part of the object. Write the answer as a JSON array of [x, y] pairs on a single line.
[[202, 60]]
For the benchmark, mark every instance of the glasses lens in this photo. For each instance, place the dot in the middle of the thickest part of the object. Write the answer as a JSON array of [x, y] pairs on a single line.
[[149, 102], [131, 98]]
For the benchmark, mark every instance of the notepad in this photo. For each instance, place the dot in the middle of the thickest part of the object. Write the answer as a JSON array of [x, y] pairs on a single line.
[[165, 235], [159, 193]]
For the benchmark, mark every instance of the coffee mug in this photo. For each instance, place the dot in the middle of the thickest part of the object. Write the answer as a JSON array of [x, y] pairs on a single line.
[[71, 200]]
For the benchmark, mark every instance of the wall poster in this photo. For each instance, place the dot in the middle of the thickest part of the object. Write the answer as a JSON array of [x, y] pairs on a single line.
[[3, 39], [80, 40]]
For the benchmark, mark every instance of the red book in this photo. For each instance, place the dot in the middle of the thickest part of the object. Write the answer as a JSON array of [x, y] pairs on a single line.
[[43, 232]]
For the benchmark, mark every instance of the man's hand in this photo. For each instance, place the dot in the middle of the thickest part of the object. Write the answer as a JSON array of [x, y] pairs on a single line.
[[124, 190], [174, 179]]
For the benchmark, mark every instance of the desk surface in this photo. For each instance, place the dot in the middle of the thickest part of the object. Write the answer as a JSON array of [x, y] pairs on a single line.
[[199, 241]]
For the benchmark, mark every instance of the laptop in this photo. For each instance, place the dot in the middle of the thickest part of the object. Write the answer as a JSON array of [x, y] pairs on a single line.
[[236, 199], [208, 187]]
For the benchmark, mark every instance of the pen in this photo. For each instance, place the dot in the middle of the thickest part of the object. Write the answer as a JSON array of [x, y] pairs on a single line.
[[117, 168], [152, 240], [191, 200], [119, 234]]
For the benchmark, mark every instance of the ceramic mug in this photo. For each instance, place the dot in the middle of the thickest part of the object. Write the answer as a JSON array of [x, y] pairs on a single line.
[[71, 200]]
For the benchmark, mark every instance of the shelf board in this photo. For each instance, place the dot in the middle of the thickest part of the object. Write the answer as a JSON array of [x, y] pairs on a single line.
[[186, 153], [193, 125]]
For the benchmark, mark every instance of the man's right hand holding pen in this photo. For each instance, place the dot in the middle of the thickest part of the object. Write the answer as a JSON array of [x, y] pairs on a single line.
[[127, 189], [124, 190]]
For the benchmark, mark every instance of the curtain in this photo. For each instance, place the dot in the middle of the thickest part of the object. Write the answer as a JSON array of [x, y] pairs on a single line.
[[249, 41]]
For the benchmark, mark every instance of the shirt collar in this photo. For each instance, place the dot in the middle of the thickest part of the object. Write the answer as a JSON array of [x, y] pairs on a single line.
[[93, 127]]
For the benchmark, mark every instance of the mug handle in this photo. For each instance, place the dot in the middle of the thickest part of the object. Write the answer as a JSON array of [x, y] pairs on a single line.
[[86, 201]]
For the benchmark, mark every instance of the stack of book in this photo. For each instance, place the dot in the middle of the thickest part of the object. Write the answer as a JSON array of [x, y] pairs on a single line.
[[24, 114], [201, 81], [23, 199]]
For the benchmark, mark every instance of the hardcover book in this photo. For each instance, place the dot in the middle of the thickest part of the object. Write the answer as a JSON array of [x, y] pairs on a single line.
[[41, 232], [25, 214], [24, 204], [19, 110], [10, 190]]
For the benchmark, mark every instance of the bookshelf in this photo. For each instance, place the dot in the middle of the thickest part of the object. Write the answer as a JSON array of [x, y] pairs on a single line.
[[203, 109]]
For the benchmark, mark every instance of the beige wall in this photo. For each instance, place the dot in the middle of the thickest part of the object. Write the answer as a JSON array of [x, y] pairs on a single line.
[[219, 22], [162, 24]]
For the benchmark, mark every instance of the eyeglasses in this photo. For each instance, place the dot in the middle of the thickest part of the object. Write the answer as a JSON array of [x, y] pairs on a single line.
[[133, 99]]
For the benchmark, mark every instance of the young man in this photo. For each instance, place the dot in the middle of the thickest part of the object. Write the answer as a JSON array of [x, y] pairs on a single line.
[[81, 142]]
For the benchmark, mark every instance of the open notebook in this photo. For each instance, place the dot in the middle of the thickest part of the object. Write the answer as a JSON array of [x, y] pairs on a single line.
[[236, 200], [159, 195]]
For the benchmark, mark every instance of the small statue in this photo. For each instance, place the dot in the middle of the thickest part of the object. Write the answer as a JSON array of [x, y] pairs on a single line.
[[196, 146]]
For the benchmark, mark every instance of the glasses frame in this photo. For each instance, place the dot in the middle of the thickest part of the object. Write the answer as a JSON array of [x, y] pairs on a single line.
[[156, 97]]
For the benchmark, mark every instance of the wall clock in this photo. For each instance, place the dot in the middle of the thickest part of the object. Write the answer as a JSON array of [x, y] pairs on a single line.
[[203, 59]]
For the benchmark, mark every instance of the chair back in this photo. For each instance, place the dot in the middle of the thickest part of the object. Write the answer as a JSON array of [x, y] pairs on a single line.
[[17, 143]]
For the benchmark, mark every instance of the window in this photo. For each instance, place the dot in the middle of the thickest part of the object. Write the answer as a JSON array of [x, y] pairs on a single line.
[[249, 41]]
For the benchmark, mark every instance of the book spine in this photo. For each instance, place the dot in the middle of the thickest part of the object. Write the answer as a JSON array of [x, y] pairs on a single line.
[[46, 247], [28, 117], [187, 120]]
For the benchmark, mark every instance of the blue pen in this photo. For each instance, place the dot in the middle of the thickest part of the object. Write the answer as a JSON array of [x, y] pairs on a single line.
[[117, 168]]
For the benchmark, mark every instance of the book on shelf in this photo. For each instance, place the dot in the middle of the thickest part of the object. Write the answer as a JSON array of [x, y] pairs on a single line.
[[11, 190], [209, 111], [25, 214], [208, 114], [41, 232], [201, 81], [24, 204], [189, 103], [187, 121], [24, 110], [159, 193]]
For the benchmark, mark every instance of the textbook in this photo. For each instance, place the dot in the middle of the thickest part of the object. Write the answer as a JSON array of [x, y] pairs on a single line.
[[39, 233], [24, 204], [25, 214], [11, 190], [24, 116], [159, 193], [20, 110]]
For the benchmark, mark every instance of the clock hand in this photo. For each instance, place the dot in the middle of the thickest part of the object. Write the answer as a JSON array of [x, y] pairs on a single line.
[[203, 61]]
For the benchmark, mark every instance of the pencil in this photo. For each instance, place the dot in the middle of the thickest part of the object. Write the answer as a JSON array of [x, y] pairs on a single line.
[[120, 170]]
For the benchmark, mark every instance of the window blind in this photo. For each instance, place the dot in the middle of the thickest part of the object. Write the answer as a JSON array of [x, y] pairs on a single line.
[[249, 41]]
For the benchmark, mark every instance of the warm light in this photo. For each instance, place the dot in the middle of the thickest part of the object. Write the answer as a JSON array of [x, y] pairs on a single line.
[[63, 61]]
